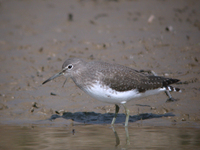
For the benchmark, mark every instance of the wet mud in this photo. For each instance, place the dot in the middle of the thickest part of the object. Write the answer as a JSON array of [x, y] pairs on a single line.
[[36, 38]]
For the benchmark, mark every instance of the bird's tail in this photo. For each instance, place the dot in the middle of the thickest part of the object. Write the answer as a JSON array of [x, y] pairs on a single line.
[[172, 89]]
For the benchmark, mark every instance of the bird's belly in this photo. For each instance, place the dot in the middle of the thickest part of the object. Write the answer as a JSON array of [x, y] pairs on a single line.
[[108, 95], [111, 96]]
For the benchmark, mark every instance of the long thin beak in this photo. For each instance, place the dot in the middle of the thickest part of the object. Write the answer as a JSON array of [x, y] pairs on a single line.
[[53, 77]]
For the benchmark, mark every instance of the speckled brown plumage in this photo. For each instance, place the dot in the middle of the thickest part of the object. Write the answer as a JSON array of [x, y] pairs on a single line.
[[121, 78]]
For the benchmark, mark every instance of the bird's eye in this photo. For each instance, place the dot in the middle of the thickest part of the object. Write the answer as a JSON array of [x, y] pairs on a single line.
[[69, 66]]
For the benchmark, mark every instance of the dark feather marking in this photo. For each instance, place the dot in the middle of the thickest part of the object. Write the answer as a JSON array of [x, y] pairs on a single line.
[[140, 82]]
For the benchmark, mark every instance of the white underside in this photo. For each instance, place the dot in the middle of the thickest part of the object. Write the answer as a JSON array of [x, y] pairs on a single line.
[[106, 94]]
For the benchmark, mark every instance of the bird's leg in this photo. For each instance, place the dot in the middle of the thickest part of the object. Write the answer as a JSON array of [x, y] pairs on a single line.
[[170, 99], [168, 94], [127, 115], [116, 136], [116, 112], [127, 136]]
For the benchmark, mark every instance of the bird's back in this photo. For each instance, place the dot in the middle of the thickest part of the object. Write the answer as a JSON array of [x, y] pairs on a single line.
[[122, 78]]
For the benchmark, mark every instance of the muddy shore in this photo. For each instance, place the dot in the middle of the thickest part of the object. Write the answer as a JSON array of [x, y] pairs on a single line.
[[37, 37]]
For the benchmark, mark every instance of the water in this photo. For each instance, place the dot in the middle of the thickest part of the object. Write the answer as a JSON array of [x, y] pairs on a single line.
[[98, 137]]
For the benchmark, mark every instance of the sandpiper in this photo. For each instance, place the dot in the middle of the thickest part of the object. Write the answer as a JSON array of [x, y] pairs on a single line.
[[113, 83]]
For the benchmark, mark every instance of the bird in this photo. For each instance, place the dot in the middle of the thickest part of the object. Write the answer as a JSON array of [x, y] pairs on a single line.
[[113, 83]]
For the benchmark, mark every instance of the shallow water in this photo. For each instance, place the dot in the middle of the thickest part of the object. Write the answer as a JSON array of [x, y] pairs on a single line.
[[98, 137]]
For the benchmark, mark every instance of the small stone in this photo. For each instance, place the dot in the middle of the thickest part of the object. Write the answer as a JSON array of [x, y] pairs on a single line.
[[183, 119], [153, 108], [35, 105], [169, 28], [41, 50], [70, 17], [53, 94], [151, 18]]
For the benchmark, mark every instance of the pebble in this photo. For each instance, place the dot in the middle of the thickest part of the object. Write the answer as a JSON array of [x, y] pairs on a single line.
[[73, 131], [183, 119], [70, 17], [53, 94], [153, 108], [169, 28]]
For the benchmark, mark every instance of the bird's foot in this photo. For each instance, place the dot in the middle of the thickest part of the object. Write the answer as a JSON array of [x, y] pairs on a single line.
[[171, 100]]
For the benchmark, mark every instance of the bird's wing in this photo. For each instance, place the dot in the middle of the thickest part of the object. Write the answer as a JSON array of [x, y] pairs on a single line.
[[125, 79], [121, 78]]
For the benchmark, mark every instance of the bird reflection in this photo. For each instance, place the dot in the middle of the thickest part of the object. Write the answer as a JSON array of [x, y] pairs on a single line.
[[117, 137]]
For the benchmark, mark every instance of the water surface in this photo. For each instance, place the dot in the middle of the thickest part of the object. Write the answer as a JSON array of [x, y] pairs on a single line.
[[98, 137]]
